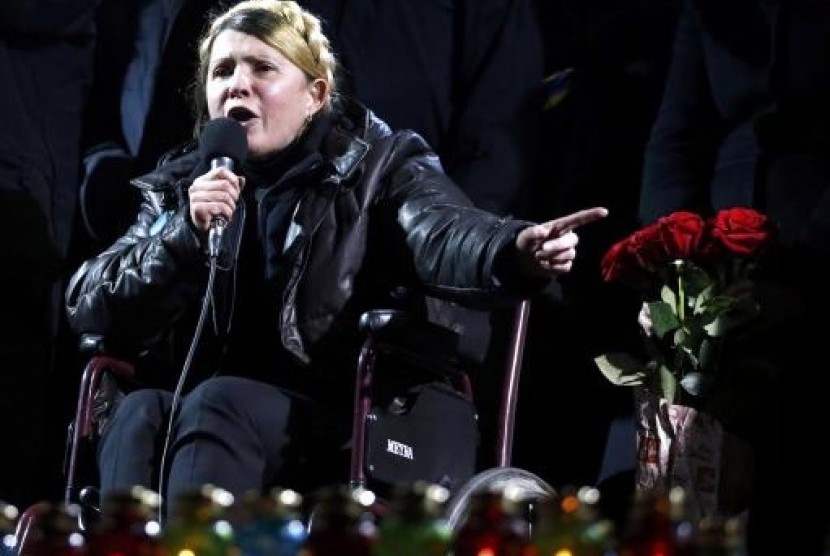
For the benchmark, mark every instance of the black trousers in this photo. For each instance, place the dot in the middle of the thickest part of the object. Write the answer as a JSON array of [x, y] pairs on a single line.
[[236, 433]]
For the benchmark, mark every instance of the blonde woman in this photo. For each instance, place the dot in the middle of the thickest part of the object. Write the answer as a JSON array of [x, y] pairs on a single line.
[[329, 214]]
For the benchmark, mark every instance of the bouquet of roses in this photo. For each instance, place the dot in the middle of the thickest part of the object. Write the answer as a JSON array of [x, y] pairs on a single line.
[[712, 327], [695, 277]]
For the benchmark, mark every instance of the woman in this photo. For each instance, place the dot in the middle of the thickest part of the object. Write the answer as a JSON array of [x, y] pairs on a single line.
[[338, 214]]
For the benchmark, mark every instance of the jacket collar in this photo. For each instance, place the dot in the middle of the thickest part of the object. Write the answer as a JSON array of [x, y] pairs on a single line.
[[345, 147]]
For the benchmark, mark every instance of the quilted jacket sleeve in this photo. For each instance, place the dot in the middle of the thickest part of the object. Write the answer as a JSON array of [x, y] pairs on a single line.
[[459, 251], [135, 288]]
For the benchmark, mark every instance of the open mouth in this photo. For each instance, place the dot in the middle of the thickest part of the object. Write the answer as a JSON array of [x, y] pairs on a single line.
[[240, 114]]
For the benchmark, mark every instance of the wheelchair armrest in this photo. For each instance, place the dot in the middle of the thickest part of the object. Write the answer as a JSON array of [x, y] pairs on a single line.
[[396, 327], [93, 346], [97, 393], [430, 347]]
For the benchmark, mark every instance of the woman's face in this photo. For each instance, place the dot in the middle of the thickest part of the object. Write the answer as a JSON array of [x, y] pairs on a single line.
[[255, 84]]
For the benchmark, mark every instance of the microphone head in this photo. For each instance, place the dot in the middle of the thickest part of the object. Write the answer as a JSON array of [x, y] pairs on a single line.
[[223, 137]]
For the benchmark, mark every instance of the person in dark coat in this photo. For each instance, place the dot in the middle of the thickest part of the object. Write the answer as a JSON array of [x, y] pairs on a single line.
[[336, 213], [745, 121], [437, 68], [46, 72]]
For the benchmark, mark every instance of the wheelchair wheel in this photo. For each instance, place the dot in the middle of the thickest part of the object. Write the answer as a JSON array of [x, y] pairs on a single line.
[[533, 488]]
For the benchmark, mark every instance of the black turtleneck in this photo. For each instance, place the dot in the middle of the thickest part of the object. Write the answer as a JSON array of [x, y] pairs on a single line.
[[268, 171]]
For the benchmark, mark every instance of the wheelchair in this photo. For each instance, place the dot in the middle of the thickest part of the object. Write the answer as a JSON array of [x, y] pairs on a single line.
[[390, 444], [435, 351]]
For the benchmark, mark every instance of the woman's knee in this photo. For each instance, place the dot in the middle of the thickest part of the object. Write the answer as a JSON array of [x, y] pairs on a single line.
[[216, 392], [137, 418], [143, 407], [233, 399]]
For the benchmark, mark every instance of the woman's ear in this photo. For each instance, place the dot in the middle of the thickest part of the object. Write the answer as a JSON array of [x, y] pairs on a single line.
[[319, 90]]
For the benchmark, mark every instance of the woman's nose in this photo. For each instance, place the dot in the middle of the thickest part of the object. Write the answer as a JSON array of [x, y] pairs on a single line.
[[238, 84]]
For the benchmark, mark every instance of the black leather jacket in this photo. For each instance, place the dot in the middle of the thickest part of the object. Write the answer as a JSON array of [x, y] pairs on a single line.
[[376, 214]]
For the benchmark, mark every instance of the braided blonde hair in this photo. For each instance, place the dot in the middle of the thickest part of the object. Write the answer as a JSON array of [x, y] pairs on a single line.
[[281, 24]]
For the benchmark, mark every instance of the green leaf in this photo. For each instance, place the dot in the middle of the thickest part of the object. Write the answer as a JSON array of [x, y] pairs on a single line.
[[668, 296], [685, 360], [668, 384], [697, 384], [696, 280], [706, 354], [702, 300], [621, 369], [729, 313], [681, 337], [718, 326], [720, 303], [663, 318]]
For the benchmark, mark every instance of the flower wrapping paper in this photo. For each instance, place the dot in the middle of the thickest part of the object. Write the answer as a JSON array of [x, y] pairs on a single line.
[[678, 445]]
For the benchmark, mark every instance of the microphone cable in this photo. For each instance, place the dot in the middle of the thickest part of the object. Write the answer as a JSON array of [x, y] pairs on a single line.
[[177, 394]]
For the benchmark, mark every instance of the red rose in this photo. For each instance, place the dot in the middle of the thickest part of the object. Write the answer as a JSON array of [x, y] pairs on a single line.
[[647, 246], [710, 249], [637, 259], [742, 231], [681, 234], [619, 264]]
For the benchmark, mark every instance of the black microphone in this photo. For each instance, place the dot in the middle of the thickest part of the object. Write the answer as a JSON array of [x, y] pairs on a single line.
[[223, 142]]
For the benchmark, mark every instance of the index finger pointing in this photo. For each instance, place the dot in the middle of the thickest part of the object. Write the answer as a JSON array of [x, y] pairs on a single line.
[[570, 222]]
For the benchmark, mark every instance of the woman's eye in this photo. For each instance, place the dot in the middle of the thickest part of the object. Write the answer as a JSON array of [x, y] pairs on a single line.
[[221, 71]]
